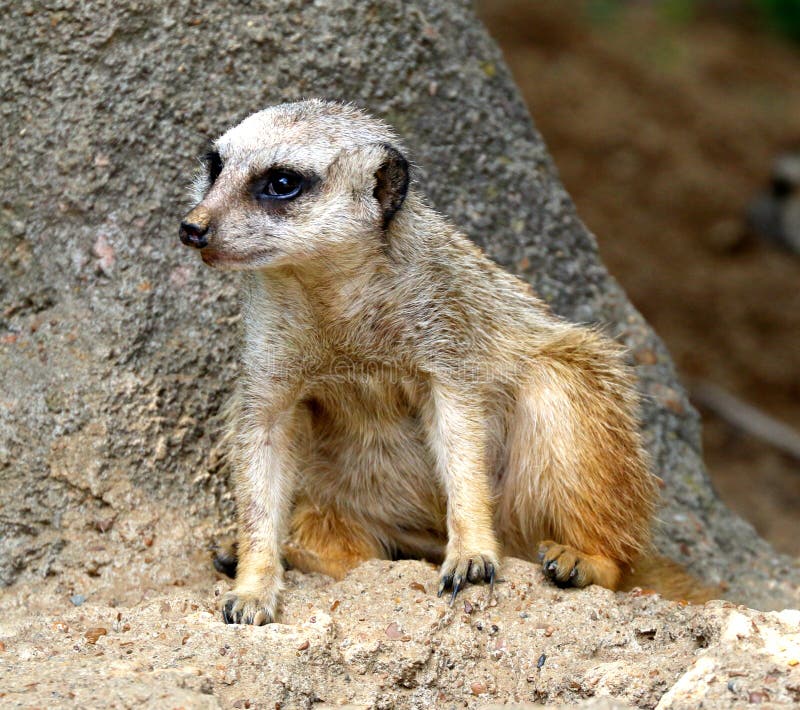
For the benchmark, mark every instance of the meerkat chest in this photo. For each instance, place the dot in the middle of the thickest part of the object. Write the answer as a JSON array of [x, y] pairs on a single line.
[[374, 338], [357, 392], [368, 451]]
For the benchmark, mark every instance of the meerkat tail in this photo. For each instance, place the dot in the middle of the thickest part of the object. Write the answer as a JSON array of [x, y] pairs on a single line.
[[668, 578]]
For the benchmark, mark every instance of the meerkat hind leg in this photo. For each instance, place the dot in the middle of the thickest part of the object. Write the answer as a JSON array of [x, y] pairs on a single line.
[[577, 493], [226, 558], [567, 567], [323, 539]]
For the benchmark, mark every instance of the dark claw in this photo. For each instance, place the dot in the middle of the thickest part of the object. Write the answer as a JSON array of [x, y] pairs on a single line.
[[490, 577], [551, 567], [227, 612], [447, 580], [458, 584], [474, 573], [564, 582], [573, 573]]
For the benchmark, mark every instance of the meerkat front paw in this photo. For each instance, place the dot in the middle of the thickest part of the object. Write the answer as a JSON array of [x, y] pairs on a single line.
[[459, 569], [249, 607]]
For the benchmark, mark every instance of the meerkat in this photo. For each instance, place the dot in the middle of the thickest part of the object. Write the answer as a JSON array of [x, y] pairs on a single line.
[[400, 393], [775, 213]]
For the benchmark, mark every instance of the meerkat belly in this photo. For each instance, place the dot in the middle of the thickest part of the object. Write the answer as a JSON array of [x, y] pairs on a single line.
[[368, 456]]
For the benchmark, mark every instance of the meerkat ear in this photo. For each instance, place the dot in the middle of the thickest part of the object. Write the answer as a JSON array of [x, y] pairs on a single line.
[[391, 182]]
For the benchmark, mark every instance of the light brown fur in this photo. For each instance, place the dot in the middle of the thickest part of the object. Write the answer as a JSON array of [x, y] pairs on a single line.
[[400, 393]]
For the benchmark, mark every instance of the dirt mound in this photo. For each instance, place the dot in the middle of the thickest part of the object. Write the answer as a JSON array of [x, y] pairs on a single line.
[[382, 639]]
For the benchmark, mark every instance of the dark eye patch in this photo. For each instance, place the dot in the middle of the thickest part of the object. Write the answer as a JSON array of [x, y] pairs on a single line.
[[280, 185], [213, 163]]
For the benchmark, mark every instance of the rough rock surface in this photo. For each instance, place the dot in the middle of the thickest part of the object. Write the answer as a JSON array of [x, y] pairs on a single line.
[[117, 348]]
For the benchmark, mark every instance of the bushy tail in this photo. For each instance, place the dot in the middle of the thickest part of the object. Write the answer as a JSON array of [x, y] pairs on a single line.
[[669, 579]]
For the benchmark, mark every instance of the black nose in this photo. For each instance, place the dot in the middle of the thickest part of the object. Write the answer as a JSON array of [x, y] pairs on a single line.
[[193, 235]]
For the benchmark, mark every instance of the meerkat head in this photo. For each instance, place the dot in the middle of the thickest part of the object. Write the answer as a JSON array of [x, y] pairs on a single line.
[[775, 213], [293, 183]]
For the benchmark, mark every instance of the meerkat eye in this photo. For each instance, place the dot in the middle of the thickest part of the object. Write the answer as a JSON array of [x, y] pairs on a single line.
[[214, 165], [279, 185]]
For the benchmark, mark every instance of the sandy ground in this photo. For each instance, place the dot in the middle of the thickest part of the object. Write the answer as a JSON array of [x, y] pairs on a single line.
[[381, 639], [663, 132]]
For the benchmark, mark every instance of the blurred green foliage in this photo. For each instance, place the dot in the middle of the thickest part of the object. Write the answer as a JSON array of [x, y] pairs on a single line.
[[603, 12], [781, 16], [679, 11]]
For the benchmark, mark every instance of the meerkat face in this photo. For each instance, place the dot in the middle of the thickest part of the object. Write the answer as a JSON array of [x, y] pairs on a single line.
[[775, 213], [294, 185]]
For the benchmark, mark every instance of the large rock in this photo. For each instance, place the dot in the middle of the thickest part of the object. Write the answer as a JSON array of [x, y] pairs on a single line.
[[117, 347]]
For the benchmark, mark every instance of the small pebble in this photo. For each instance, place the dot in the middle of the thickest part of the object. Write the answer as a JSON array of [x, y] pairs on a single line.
[[478, 688], [77, 599], [393, 631], [541, 661], [95, 633], [104, 524]]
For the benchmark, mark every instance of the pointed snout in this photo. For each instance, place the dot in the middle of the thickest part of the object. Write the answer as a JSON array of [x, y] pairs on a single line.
[[193, 231]]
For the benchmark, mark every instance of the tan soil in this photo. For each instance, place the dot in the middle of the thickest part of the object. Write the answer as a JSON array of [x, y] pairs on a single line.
[[348, 644]]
